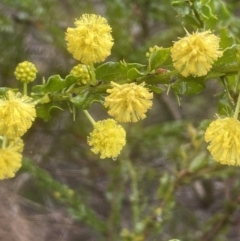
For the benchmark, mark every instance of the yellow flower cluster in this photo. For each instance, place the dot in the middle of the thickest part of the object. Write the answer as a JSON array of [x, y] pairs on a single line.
[[25, 72], [17, 113], [91, 40], [107, 138], [11, 158], [196, 53], [81, 71], [128, 102], [224, 137]]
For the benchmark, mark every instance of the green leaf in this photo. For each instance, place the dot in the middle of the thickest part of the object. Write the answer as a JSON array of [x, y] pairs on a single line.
[[79, 100], [181, 7], [158, 57], [85, 100], [37, 89], [91, 99], [165, 184], [212, 74], [198, 162], [229, 63], [133, 73], [155, 89], [157, 78], [114, 71], [226, 39], [55, 84], [225, 107], [71, 79], [206, 9], [189, 85], [43, 111]]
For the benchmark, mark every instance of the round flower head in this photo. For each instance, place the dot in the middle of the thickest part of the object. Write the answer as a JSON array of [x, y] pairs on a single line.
[[11, 158], [128, 102], [91, 40], [81, 71], [224, 137], [25, 72], [17, 113], [195, 53], [107, 138]]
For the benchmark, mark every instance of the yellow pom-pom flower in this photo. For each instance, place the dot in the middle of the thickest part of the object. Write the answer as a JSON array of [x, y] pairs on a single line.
[[91, 40], [11, 158], [107, 138], [128, 102], [81, 71], [224, 137], [196, 53], [25, 72], [17, 113]]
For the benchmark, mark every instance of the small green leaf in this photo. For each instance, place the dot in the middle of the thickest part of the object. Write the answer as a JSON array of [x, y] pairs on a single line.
[[56, 83], [114, 71], [229, 63], [79, 100], [158, 57], [133, 74], [212, 74], [157, 78], [225, 107], [155, 89], [181, 7], [43, 111], [71, 79], [38, 89], [189, 85], [91, 99], [226, 39], [85, 100], [165, 184], [198, 162], [206, 9]]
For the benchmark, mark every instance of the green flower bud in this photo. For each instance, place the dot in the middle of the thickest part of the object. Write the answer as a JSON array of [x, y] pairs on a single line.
[[25, 72], [81, 71], [152, 50]]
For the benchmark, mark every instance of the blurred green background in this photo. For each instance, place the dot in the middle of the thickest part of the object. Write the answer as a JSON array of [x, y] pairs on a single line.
[[164, 185]]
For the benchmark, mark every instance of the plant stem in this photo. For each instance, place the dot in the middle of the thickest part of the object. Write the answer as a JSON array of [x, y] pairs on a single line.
[[92, 74], [74, 113], [237, 108], [25, 88], [4, 142], [89, 117]]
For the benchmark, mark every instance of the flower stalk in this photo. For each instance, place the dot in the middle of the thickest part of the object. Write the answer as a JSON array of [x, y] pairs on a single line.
[[25, 90], [4, 142], [92, 74], [236, 112], [89, 117]]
